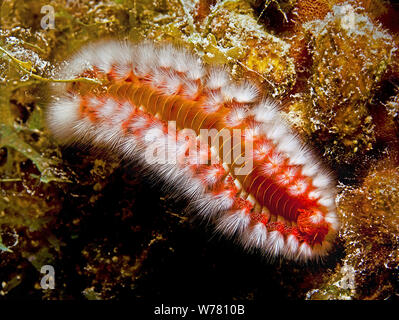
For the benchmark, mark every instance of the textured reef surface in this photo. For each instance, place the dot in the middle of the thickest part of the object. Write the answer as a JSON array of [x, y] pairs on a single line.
[[109, 234]]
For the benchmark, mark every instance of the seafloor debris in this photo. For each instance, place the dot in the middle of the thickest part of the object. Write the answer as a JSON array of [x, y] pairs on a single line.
[[392, 107]]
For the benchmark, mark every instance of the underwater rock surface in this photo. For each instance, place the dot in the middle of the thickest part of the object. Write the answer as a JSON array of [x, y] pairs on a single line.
[[350, 56]]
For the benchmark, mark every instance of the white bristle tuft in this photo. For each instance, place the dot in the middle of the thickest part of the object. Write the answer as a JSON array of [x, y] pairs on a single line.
[[304, 252], [292, 246], [122, 113], [172, 84], [321, 181], [109, 54], [213, 175], [236, 116], [328, 202], [108, 109], [81, 62], [331, 218], [255, 237], [242, 93], [310, 169], [266, 111], [277, 131], [275, 243], [145, 56], [298, 188], [213, 102], [166, 56], [299, 159], [190, 89], [62, 115], [153, 134], [217, 78], [289, 145], [183, 62], [233, 223]]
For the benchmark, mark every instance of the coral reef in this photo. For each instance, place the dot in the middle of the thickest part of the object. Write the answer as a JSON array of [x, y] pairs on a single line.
[[109, 234], [302, 11], [370, 233], [350, 55], [236, 27], [230, 34]]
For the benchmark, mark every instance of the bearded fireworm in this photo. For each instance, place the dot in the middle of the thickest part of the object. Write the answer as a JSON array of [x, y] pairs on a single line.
[[218, 143]]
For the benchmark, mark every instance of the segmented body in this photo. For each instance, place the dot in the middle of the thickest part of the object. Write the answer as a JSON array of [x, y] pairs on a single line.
[[284, 205]]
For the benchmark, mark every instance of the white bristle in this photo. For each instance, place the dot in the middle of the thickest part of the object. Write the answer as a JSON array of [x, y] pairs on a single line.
[[236, 116], [266, 111], [304, 252], [321, 181], [166, 56], [108, 109], [217, 78], [145, 56], [233, 223], [123, 113], [275, 242], [242, 93], [213, 102], [255, 237], [61, 116], [292, 246]]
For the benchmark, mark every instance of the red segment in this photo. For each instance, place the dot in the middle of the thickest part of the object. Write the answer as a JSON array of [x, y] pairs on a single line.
[[312, 225]]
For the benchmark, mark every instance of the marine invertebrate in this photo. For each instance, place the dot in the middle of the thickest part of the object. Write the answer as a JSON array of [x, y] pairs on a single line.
[[155, 105]]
